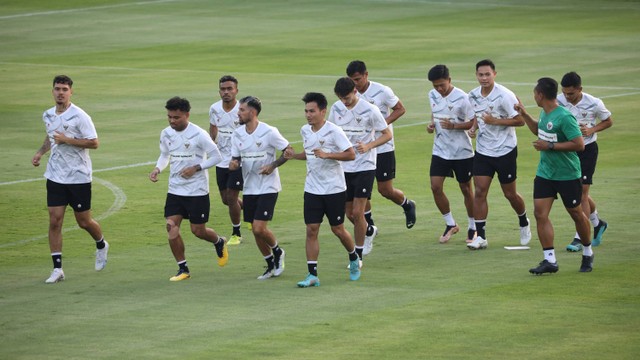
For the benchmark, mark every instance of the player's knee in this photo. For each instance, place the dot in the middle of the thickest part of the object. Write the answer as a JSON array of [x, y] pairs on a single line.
[[172, 229]]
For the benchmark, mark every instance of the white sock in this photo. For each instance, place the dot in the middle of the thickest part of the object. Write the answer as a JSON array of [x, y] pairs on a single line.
[[593, 217], [472, 223], [550, 256], [576, 236], [587, 251], [448, 218]]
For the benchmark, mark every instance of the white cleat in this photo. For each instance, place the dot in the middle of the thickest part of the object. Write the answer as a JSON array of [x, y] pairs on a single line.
[[368, 241], [56, 276], [525, 234], [101, 256], [279, 265], [267, 275], [478, 243]]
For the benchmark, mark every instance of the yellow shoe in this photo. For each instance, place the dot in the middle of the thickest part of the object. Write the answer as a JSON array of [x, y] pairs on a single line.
[[249, 226], [181, 275], [235, 240], [222, 260]]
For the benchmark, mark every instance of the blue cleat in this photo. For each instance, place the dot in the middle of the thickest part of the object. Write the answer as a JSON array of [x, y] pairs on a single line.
[[310, 280], [354, 270], [598, 231], [575, 245]]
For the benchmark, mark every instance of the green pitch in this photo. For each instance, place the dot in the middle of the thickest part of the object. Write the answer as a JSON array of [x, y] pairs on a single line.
[[416, 298]]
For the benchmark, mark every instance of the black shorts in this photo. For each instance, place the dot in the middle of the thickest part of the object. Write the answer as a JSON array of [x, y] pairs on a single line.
[[259, 207], [228, 179], [386, 166], [332, 205], [504, 165], [569, 190], [194, 208], [359, 184], [78, 196], [463, 168], [588, 158]]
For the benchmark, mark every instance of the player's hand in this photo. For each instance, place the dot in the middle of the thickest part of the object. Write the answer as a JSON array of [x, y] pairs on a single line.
[[585, 130], [519, 107], [446, 124], [472, 132], [35, 161], [362, 147], [489, 119], [266, 170], [60, 138], [541, 145], [319, 153], [289, 153], [189, 171], [234, 165], [153, 175], [431, 127]]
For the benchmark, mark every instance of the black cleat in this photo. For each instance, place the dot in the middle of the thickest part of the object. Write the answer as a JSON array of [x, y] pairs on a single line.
[[544, 267], [411, 214], [587, 263]]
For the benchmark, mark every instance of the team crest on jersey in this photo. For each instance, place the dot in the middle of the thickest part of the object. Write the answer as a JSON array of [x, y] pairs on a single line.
[[491, 107], [258, 144], [186, 145], [358, 119], [450, 107], [321, 142], [236, 123], [549, 125], [65, 126], [584, 114], [372, 102]]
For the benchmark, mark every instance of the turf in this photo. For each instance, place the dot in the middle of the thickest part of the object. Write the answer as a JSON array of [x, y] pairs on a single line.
[[416, 298]]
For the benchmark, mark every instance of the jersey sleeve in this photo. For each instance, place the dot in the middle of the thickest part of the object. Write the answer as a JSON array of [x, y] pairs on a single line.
[[602, 113], [86, 127], [212, 116], [509, 102], [213, 153], [390, 98], [277, 140], [379, 123]]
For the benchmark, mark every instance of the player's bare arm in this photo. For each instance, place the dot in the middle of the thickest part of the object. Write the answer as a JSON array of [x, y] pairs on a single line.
[[514, 121], [235, 162], [602, 125], [213, 132], [532, 123], [385, 136], [396, 111], [46, 146], [347, 155]]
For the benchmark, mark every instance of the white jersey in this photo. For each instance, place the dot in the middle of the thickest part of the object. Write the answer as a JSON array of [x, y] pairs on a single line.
[[494, 140], [324, 176], [451, 144], [258, 149], [359, 124], [69, 164], [383, 97], [588, 112], [189, 147], [227, 123]]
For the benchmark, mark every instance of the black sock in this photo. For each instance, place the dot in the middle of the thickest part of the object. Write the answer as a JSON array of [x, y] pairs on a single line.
[[183, 266], [523, 219], [219, 247], [369, 230], [236, 230], [57, 260], [313, 268], [359, 252], [369, 218], [406, 205], [353, 256], [480, 228], [270, 262], [100, 243]]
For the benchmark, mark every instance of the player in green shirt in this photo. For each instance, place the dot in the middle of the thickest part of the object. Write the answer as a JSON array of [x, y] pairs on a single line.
[[559, 138]]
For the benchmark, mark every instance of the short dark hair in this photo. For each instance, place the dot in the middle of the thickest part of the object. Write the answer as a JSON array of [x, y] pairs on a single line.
[[571, 79], [344, 86], [317, 98], [547, 87], [438, 72], [252, 102], [228, 78], [178, 103], [62, 79], [486, 62], [356, 66]]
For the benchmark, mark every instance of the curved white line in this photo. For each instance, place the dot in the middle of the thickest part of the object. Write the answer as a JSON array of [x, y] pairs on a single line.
[[118, 203]]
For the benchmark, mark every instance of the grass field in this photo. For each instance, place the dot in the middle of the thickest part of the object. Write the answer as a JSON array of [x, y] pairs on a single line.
[[416, 298]]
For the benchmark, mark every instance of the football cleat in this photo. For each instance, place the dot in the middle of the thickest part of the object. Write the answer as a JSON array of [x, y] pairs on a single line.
[[448, 232], [234, 240], [279, 262], [575, 245], [598, 231], [478, 243], [359, 264], [354, 270], [587, 263], [410, 215], [368, 241], [525, 233], [56, 275], [222, 252], [267, 274], [309, 281], [544, 267], [101, 256], [471, 234], [181, 275]]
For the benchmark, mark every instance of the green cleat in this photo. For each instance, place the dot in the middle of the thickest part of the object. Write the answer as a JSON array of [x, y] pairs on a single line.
[[310, 280]]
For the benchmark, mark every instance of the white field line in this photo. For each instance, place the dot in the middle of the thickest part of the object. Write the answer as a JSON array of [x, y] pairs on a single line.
[[304, 76], [118, 203], [66, 11]]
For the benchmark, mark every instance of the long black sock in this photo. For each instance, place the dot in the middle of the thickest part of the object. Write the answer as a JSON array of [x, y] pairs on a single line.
[[369, 218], [236, 230], [270, 262], [313, 267], [480, 228], [57, 260], [353, 256], [359, 252], [523, 219], [100, 243], [183, 266]]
